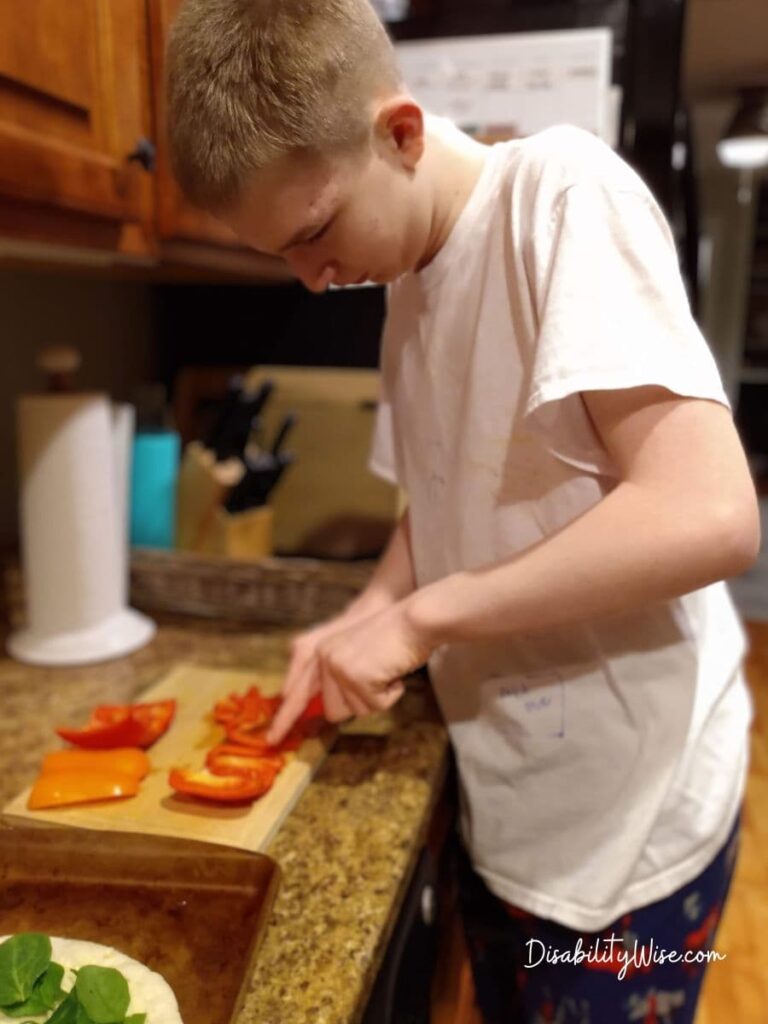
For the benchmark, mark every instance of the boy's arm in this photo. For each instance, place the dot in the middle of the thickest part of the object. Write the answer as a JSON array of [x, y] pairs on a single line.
[[393, 577], [682, 515]]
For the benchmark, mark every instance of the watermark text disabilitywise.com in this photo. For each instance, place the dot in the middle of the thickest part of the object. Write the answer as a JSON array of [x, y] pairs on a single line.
[[613, 951]]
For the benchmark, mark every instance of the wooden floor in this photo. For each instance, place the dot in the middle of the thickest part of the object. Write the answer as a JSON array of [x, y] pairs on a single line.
[[736, 989]]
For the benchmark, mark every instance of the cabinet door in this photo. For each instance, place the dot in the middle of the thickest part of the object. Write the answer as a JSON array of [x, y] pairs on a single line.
[[74, 104]]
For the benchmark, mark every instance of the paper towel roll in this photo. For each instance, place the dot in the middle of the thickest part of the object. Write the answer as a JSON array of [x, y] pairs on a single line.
[[74, 573], [123, 424]]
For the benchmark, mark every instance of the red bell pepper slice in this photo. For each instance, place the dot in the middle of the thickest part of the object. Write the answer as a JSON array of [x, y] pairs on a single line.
[[228, 708], [258, 709], [122, 725], [314, 710], [203, 783], [228, 759], [243, 734]]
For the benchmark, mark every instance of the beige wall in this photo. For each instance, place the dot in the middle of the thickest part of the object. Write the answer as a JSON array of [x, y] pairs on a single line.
[[110, 322]]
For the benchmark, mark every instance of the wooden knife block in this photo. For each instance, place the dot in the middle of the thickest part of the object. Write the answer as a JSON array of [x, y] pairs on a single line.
[[240, 535], [203, 524]]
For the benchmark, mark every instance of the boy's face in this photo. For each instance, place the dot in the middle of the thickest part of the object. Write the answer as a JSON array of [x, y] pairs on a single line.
[[341, 220]]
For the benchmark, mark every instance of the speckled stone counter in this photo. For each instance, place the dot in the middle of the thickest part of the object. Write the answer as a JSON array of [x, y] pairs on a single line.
[[347, 849]]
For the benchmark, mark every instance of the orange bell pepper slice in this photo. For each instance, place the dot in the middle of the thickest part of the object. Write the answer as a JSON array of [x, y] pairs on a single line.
[[78, 786], [124, 760]]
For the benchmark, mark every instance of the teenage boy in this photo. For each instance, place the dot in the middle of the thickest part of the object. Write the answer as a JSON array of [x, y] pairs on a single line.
[[577, 491]]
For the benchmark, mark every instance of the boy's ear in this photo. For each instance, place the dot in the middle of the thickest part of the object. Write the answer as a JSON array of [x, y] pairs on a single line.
[[399, 124]]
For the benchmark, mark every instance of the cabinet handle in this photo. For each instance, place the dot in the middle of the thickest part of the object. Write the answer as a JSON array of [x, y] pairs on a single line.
[[144, 154]]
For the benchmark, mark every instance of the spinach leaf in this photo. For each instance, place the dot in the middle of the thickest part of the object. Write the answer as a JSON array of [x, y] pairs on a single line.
[[45, 993], [67, 1010], [82, 1017], [103, 993], [23, 958], [50, 985], [136, 1018]]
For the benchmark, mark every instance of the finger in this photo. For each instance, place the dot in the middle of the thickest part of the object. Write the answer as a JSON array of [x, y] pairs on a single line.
[[390, 696], [394, 693], [371, 694], [359, 707], [294, 701], [303, 651], [336, 707]]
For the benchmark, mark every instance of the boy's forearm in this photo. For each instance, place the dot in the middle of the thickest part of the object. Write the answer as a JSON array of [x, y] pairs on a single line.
[[393, 577], [629, 550]]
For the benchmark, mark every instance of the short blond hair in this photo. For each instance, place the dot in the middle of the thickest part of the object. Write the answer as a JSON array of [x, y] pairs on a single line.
[[249, 81]]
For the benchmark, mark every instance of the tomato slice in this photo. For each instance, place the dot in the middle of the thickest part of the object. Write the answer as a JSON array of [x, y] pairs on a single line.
[[203, 783], [244, 734], [79, 786], [124, 760], [122, 725], [229, 759]]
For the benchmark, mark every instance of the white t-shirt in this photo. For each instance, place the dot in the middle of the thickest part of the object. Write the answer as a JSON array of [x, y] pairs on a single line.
[[601, 765]]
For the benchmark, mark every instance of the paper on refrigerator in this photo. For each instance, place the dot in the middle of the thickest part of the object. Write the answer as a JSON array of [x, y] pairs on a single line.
[[513, 84]]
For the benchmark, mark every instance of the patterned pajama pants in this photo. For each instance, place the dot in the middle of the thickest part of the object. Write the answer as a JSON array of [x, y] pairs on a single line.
[[522, 977]]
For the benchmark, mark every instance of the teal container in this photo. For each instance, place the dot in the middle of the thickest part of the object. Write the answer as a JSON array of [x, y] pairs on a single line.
[[154, 477]]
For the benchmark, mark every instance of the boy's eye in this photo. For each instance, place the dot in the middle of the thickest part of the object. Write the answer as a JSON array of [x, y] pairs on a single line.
[[318, 234]]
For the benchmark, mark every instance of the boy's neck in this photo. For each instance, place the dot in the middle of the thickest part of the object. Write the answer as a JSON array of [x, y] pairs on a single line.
[[452, 165]]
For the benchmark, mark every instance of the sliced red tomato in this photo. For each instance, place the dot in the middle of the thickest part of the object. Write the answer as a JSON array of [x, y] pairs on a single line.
[[124, 760], [122, 725], [229, 759], [203, 783], [79, 786], [244, 734]]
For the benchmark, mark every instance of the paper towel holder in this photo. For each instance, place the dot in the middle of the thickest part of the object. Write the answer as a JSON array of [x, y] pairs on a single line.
[[76, 599], [115, 637]]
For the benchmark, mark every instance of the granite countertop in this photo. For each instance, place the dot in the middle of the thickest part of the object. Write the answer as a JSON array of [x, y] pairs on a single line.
[[347, 849]]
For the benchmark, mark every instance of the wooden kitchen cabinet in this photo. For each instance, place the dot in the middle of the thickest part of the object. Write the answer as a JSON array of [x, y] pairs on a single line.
[[84, 171], [74, 105]]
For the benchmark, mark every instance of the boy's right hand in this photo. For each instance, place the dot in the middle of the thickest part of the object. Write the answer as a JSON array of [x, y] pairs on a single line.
[[302, 680]]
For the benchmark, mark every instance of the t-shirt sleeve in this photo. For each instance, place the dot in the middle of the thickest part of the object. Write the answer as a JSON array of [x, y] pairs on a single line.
[[610, 303]]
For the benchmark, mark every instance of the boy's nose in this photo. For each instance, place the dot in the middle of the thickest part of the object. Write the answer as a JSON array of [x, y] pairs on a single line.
[[314, 275]]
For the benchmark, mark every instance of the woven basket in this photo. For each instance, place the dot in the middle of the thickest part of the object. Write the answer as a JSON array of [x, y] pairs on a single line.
[[275, 591]]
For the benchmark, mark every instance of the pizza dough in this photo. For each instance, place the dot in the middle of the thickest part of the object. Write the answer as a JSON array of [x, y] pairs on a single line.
[[150, 992]]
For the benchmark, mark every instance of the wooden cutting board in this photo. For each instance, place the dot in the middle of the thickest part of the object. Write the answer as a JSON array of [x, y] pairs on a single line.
[[156, 809]]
